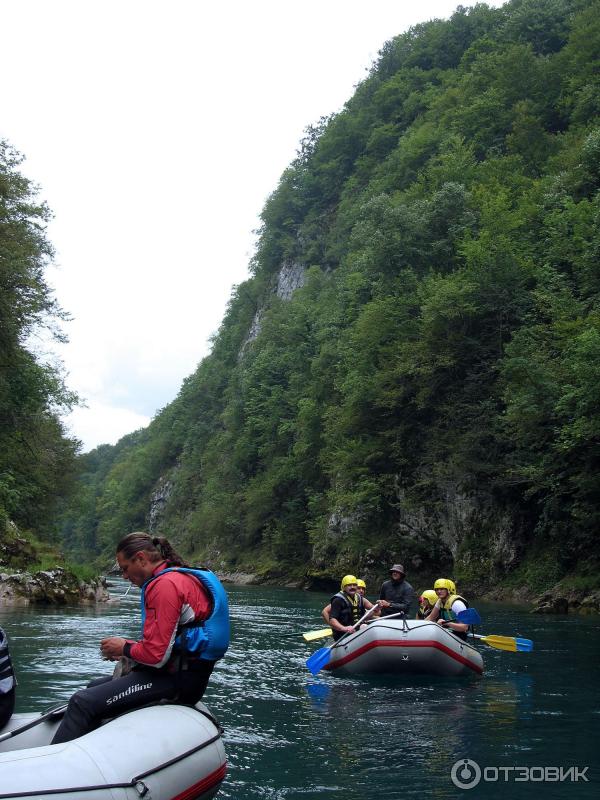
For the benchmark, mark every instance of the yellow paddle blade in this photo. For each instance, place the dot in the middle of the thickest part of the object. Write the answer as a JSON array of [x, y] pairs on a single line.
[[317, 634], [501, 642]]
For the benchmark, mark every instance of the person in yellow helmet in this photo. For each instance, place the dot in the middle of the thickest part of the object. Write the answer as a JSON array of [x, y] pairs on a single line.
[[447, 606], [427, 600], [347, 607], [362, 590]]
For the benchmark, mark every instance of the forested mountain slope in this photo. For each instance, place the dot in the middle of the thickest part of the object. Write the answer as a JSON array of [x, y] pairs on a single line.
[[411, 372]]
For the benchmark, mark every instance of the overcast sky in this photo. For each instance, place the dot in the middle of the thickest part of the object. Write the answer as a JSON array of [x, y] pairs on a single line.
[[156, 130]]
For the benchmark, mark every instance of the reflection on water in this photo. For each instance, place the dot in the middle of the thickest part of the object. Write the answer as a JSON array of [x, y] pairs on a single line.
[[295, 736]]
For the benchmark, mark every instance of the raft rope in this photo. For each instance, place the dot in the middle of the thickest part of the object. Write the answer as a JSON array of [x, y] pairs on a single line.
[[405, 628], [373, 624]]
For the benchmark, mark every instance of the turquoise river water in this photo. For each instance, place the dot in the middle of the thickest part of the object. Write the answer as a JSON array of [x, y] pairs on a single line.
[[292, 736]]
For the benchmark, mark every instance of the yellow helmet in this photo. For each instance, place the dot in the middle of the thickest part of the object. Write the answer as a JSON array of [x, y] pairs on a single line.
[[430, 596], [348, 579], [445, 583], [360, 583]]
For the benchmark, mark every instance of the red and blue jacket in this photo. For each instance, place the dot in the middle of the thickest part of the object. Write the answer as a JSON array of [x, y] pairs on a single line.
[[184, 609]]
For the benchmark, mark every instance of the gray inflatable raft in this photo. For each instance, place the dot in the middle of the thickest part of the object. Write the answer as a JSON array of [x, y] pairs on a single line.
[[404, 647], [161, 752]]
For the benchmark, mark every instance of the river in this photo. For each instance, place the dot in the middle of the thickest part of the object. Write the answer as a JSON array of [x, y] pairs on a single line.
[[292, 736]]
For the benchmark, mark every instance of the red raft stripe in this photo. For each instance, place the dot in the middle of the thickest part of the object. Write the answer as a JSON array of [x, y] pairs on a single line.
[[395, 643], [195, 791]]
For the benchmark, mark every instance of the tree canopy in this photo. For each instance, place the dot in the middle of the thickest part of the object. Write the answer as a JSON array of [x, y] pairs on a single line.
[[437, 369], [37, 459]]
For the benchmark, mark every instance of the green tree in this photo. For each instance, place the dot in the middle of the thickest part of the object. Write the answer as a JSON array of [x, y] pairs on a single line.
[[36, 457]]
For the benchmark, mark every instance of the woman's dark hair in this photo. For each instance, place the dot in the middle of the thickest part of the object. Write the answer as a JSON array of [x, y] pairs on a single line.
[[157, 547]]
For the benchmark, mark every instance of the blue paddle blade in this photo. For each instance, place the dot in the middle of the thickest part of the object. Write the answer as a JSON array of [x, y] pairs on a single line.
[[524, 645], [318, 660], [469, 617]]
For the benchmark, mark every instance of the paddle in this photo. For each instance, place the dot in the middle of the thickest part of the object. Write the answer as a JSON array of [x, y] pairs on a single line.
[[508, 643], [524, 645], [468, 617], [318, 660], [310, 635], [322, 632], [54, 712]]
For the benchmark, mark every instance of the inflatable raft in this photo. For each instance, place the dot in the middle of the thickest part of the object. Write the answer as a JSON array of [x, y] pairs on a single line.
[[161, 752], [404, 647]]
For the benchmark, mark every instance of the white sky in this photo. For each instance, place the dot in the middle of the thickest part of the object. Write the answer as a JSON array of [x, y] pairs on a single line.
[[156, 130]]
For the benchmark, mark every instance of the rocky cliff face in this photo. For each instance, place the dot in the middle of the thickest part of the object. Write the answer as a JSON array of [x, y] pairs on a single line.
[[290, 277], [49, 587], [253, 332], [158, 502], [431, 539], [567, 600]]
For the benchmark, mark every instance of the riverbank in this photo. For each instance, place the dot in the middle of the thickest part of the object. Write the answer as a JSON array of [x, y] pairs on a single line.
[[35, 573], [565, 597], [55, 586]]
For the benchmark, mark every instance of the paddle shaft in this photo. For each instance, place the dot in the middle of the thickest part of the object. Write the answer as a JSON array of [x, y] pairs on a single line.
[[310, 636], [321, 658], [48, 715], [392, 616], [364, 617]]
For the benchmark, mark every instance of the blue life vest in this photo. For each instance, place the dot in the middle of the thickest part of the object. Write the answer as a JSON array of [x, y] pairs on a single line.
[[208, 639]]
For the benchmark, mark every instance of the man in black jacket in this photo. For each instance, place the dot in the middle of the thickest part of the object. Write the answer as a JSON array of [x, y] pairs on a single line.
[[396, 594]]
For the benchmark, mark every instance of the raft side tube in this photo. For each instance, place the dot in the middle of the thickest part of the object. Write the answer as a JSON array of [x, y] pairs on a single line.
[[411, 647], [165, 751]]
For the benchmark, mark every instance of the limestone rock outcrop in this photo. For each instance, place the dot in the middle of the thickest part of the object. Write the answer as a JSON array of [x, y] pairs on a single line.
[[562, 600], [50, 587]]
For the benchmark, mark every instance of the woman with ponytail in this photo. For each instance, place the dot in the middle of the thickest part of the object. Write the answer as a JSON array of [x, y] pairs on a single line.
[[185, 630]]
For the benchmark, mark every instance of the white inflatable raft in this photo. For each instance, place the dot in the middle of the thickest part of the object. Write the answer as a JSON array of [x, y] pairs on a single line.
[[404, 647], [162, 752]]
